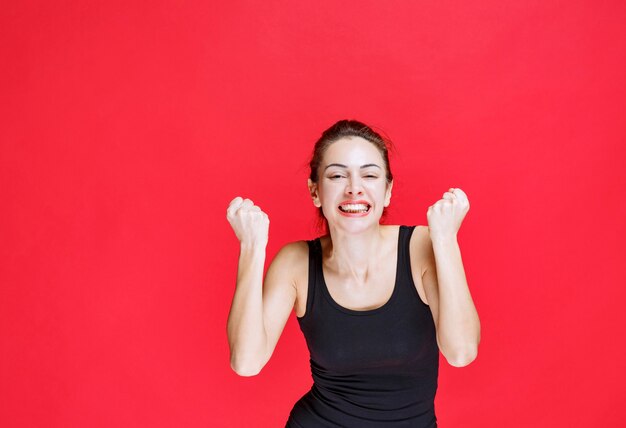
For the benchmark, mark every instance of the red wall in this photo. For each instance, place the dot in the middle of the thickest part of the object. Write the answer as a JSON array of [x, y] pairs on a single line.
[[127, 127]]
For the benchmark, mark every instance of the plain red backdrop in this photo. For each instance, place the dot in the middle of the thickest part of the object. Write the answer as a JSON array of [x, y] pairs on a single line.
[[127, 128]]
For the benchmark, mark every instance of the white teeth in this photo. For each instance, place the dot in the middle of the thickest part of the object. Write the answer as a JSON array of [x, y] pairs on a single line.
[[353, 208]]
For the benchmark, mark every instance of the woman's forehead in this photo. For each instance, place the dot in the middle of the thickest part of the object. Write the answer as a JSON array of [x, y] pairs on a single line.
[[352, 150]]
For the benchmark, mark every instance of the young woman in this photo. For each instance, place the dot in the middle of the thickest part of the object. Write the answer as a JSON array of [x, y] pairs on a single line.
[[376, 303]]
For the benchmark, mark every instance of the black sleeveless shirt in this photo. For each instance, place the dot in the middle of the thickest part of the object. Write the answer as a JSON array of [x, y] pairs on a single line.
[[371, 368]]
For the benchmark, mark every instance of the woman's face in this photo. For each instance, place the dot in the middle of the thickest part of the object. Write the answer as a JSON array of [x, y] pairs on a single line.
[[352, 186]]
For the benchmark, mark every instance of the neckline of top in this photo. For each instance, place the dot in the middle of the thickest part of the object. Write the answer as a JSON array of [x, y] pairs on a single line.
[[384, 306]]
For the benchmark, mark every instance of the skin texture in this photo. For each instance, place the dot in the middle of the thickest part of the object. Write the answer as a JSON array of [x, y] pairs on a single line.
[[359, 258]]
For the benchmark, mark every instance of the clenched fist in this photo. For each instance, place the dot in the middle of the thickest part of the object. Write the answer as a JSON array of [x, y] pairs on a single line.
[[446, 215], [251, 225]]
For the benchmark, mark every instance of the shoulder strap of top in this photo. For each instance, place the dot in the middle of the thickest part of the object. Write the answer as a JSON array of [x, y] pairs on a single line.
[[314, 252], [404, 262], [405, 267], [405, 241]]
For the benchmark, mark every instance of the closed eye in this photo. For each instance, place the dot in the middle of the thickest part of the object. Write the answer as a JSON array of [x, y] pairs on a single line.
[[336, 176]]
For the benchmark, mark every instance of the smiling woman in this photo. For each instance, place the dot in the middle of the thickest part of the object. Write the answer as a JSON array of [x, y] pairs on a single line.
[[350, 130], [353, 182], [376, 303]]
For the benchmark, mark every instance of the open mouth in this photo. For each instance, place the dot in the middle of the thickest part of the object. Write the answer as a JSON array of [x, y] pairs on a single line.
[[354, 208]]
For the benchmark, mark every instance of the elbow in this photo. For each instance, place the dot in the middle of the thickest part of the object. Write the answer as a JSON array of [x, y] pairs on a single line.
[[246, 362], [245, 369], [462, 359]]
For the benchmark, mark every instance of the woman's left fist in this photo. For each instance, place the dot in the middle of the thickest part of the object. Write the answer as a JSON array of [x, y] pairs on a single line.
[[447, 214]]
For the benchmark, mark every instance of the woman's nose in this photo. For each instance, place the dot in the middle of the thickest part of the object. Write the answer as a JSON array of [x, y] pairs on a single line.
[[354, 187]]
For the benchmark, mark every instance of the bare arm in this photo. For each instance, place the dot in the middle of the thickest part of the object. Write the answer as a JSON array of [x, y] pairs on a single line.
[[259, 310], [450, 301], [445, 285], [246, 333]]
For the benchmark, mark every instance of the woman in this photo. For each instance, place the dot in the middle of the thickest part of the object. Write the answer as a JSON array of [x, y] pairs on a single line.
[[376, 303]]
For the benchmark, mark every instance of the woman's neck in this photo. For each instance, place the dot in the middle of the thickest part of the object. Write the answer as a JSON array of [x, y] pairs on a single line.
[[355, 255]]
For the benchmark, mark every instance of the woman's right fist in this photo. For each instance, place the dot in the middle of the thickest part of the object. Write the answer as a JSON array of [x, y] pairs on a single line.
[[251, 225]]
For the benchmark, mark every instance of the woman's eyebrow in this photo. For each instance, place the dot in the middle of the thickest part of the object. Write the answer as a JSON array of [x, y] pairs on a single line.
[[344, 166]]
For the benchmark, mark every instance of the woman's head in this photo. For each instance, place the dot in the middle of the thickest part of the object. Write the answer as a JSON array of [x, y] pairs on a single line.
[[350, 161]]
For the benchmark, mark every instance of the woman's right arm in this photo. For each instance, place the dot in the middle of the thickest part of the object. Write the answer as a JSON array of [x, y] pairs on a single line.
[[258, 311]]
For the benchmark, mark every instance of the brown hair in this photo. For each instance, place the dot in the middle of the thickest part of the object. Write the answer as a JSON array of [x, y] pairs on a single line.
[[341, 129]]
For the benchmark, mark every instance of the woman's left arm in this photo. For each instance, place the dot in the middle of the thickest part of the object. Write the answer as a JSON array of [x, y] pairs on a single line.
[[458, 325]]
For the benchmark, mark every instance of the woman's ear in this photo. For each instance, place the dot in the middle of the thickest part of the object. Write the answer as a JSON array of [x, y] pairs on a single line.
[[388, 194], [313, 193]]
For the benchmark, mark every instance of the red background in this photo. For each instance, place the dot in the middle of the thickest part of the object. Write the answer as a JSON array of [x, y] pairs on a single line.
[[127, 128]]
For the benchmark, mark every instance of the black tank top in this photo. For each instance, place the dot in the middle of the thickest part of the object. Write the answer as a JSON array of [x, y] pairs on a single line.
[[371, 368]]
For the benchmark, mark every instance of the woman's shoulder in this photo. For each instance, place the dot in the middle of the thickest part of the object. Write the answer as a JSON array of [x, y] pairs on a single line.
[[292, 261], [420, 234], [293, 252], [295, 246], [421, 248]]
